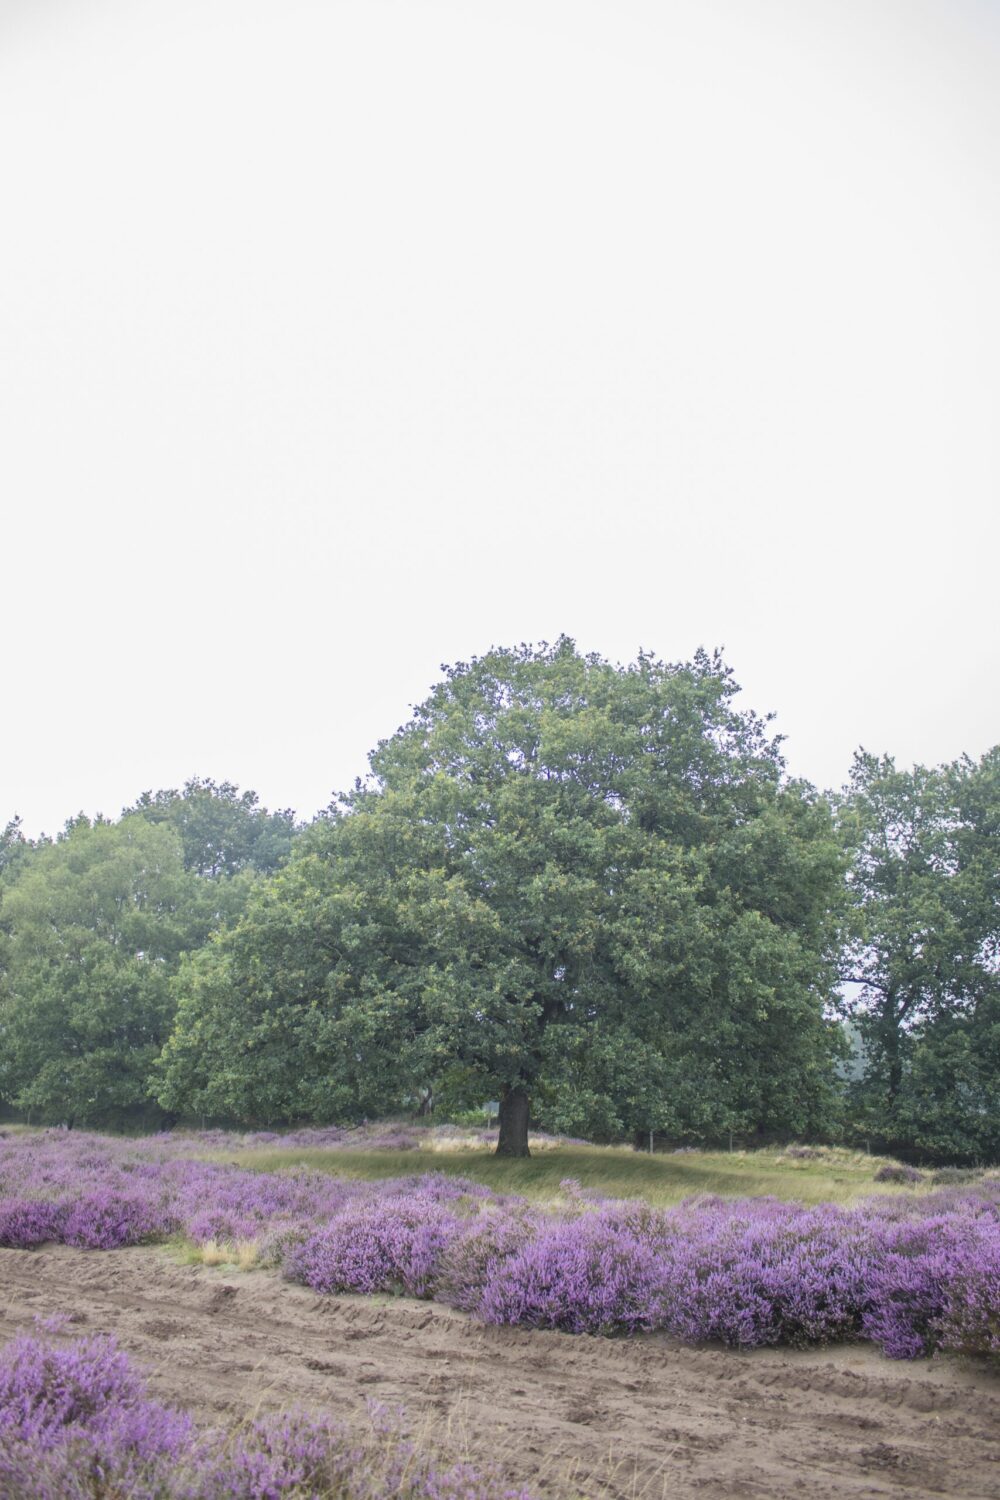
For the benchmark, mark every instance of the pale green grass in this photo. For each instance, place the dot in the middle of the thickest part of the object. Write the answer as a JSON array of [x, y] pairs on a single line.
[[836, 1176]]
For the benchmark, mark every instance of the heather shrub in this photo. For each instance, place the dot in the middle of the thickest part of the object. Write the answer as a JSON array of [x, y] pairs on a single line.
[[764, 1273], [894, 1171], [476, 1252], [220, 1226], [106, 1220], [231, 1203], [292, 1452], [438, 1187], [45, 1387], [393, 1244], [394, 1140], [971, 1318], [24, 1223], [76, 1422], [955, 1176], [276, 1243], [303, 1455], [910, 1271], [585, 1276], [981, 1201], [634, 1216], [909, 1277]]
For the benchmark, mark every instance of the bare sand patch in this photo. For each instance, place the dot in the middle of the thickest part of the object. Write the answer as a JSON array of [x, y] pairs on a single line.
[[625, 1418]]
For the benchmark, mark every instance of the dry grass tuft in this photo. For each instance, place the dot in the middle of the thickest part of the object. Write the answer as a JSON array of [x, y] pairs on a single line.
[[244, 1254]]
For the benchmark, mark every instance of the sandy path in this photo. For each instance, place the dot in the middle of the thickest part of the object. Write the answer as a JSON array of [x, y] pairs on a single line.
[[632, 1418]]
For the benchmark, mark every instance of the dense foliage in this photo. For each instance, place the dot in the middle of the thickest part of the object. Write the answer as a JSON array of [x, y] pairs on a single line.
[[96, 922], [93, 925], [589, 892], [922, 954], [563, 879], [222, 830]]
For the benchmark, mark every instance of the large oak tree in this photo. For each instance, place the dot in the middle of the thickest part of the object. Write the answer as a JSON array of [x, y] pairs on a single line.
[[585, 890]]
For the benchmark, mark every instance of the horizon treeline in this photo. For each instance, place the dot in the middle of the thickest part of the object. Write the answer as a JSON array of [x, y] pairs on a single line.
[[589, 892]]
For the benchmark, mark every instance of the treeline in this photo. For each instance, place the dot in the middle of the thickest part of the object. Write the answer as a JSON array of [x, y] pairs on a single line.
[[590, 892]]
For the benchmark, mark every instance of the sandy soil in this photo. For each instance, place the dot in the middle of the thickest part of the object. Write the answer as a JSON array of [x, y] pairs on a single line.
[[628, 1418]]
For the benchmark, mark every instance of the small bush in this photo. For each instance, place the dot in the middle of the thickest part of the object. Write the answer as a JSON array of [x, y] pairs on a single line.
[[955, 1176], [764, 1273], [971, 1318], [107, 1221], [24, 1223], [76, 1423], [476, 1253], [390, 1244], [583, 1277], [898, 1172], [908, 1278]]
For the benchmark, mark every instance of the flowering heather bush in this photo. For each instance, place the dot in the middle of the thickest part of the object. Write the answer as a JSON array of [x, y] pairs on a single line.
[[46, 1388], [395, 1140], [230, 1204], [24, 1223], [584, 1276], [392, 1244], [476, 1252], [763, 1272], [76, 1423], [106, 1220], [759, 1271], [971, 1319]]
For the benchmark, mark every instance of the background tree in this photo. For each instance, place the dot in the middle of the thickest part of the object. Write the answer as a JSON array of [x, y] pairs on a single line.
[[14, 848], [223, 831], [15, 851], [922, 957], [94, 924], [564, 881]]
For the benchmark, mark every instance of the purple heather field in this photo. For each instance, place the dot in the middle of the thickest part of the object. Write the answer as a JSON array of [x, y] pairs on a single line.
[[909, 1272]]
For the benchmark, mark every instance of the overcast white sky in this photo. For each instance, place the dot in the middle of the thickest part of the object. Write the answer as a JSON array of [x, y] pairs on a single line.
[[341, 338]]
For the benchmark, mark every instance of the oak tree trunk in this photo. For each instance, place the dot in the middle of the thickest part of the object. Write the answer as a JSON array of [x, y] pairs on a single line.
[[514, 1111]]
